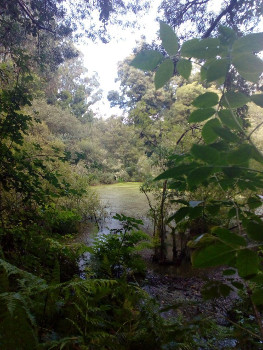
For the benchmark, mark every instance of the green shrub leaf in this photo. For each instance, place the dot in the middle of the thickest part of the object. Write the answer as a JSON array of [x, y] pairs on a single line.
[[169, 39], [228, 120], [257, 99], [217, 70], [248, 66], [163, 73], [213, 255], [205, 153], [200, 115], [255, 231], [147, 60], [226, 134], [184, 68], [199, 175], [229, 237], [249, 43], [257, 297], [208, 99], [234, 99], [247, 262], [240, 155], [208, 132], [205, 48], [180, 214]]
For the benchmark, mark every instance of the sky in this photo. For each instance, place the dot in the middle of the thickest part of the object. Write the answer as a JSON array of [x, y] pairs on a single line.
[[104, 58]]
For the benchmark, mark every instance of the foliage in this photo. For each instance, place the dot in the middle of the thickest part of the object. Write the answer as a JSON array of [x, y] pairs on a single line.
[[223, 159], [115, 254]]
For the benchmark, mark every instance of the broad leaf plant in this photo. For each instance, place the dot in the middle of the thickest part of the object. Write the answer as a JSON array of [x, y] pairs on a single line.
[[225, 158]]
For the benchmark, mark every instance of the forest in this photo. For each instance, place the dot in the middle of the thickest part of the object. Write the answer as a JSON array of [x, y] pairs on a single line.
[[189, 137]]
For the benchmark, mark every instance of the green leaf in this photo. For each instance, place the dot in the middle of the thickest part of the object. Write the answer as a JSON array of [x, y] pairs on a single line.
[[218, 69], [163, 73], [213, 209], [228, 120], [169, 39], [257, 297], [184, 68], [147, 60], [249, 43], [229, 272], [195, 212], [227, 35], [213, 255], [257, 99], [205, 153], [205, 48], [226, 134], [247, 262], [229, 237], [255, 231], [232, 172], [199, 175], [200, 115], [176, 172], [248, 66], [254, 202], [208, 99], [215, 289], [240, 155], [208, 132], [238, 285], [179, 215], [234, 99]]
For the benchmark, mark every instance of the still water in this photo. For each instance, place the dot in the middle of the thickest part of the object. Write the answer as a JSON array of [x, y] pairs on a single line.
[[121, 198]]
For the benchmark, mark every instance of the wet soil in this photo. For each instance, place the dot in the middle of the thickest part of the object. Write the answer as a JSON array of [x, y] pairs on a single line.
[[182, 290]]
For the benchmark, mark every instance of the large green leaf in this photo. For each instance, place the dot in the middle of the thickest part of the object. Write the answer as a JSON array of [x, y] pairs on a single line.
[[208, 132], [199, 175], [226, 134], [206, 100], [234, 99], [200, 115], [184, 68], [227, 119], [179, 215], [249, 43], [147, 60], [205, 153], [247, 262], [257, 99], [229, 237], [257, 296], [163, 73], [248, 66], [205, 48], [215, 289], [254, 202], [213, 255], [227, 35], [176, 172], [218, 69], [169, 39], [240, 155], [255, 231]]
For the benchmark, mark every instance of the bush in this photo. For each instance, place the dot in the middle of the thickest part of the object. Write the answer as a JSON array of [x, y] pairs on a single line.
[[116, 254], [62, 221]]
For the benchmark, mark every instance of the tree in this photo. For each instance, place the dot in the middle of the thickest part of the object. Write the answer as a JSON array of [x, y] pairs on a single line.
[[237, 14]]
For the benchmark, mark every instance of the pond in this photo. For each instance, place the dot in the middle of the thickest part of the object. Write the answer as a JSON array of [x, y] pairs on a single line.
[[121, 198]]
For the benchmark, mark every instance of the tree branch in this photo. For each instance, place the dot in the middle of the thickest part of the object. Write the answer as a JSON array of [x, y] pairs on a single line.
[[218, 18]]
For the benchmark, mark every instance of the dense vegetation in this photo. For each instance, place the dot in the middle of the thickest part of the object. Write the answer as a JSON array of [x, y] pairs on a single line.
[[190, 134]]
